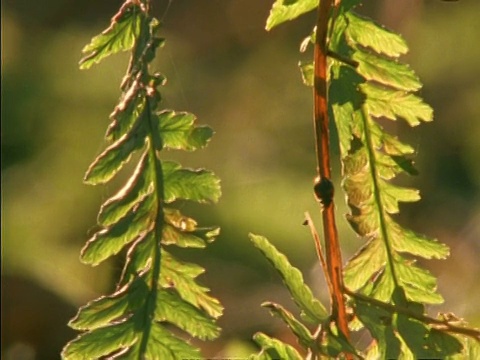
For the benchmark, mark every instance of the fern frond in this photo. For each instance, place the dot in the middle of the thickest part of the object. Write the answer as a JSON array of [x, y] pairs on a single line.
[[379, 87], [156, 291], [368, 85]]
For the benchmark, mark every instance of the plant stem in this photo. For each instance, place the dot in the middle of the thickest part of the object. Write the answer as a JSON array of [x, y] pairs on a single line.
[[333, 254], [318, 247], [437, 323]]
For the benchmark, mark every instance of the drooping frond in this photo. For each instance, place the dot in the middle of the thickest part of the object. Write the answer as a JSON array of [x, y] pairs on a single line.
[[156, 290], [368, 86]]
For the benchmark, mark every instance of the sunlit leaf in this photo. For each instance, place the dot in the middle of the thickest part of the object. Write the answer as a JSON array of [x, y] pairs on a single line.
[[197, 185], [178, 131], [367, 33], [301, 332], [471, 349], [335, 342], [385, 71], [306, 69], [379, 322], [174, 236], [312, 309], [274, 349], [110, 241], [392, 195], [101, 342], [183, 232], [181, 276], [126, 113], [163, 344], [173, 309], [392, 146], [419, 285], [105, 309], [120, 36], [114, 157], [285, 10], [364, 264], [404, 240], [137, 187], [425, 342], [345, 104], [393, 104], [139, 257]]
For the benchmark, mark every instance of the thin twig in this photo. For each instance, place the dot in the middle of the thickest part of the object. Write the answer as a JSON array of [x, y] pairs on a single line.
[[318, 247], [438, 323], [342, 59]]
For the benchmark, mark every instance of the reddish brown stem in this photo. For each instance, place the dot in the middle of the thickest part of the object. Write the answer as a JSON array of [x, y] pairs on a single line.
[[332, 248]]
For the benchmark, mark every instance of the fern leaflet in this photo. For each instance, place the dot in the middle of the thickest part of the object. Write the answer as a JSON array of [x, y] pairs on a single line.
[[326, 341]]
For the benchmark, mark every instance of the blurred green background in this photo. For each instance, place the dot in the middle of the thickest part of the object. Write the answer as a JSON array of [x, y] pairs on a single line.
[[244, 82]]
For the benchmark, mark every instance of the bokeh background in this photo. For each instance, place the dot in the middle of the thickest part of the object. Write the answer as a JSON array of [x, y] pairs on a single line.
[[225, 68]]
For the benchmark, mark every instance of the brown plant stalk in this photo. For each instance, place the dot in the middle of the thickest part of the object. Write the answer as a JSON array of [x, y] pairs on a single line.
[[324, 186]]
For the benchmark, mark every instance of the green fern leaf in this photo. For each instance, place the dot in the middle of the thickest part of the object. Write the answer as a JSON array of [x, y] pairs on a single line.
[[177, 131], [174, 310], [137, 187], [182, 231], [417, 283], [286, 10], [110, 241], [306, 69], [379, 322], [301, 332], [193, 239], [126, 113], [422, 342], [114, 157], [367, 84], [392, 195], [367, 33], [334, 343], [385, 71], [163, 345], [392, 104], [471, 350], [407, 241], [274, 349], [400, 333], [311, 308], [101, 342], [195, 185], [365, 263], [106, 309], [181, 276], [345, 104], [120, 36], [139, 257]]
